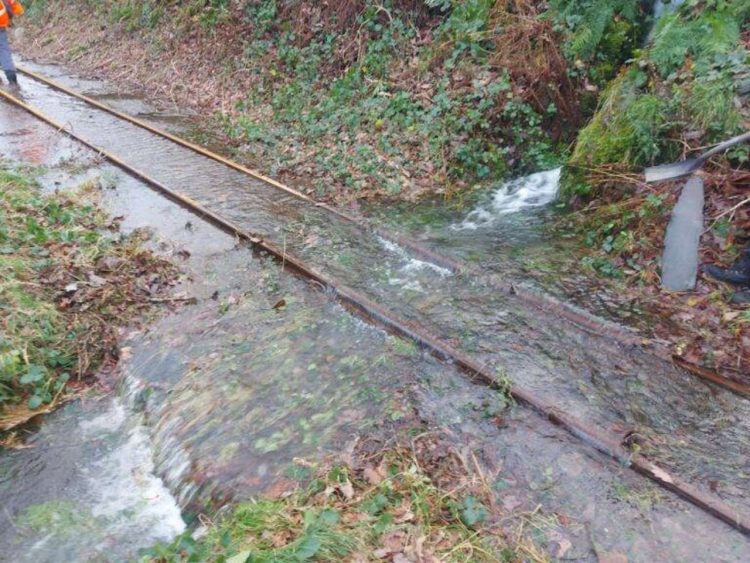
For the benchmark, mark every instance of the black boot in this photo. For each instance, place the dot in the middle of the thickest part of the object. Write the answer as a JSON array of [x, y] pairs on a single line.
[[737, 274], [12, 77]]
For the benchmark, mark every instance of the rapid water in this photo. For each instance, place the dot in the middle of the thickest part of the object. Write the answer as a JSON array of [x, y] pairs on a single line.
[[521, 194], [85, 489]]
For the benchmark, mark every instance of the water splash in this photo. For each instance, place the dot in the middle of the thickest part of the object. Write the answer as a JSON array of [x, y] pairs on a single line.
[[90, 489], [408, 272], [124, 490], [527, 192]]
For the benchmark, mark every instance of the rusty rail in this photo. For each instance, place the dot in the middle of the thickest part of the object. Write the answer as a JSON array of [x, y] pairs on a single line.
[[364, 307]]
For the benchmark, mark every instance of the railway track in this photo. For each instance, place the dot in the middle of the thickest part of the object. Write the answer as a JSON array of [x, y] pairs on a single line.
[[608, 443], [543, 303]]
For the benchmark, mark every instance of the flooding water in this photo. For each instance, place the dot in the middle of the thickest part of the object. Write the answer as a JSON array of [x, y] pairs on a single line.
[[86, 488], [266, 368], [517, 196]]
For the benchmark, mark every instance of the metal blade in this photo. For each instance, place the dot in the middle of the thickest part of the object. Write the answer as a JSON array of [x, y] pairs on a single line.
[[672, 171]]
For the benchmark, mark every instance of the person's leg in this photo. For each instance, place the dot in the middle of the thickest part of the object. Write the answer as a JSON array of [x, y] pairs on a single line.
[[6, 58]]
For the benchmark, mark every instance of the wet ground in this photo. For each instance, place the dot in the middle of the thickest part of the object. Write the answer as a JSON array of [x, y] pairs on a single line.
[[266, 367]]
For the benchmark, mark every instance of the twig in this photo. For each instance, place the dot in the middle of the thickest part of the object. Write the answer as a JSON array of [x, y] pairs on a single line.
[[727, 212]]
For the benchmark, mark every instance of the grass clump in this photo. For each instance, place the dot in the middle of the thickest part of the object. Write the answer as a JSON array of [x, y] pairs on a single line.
[[66, 282], [394, 510]]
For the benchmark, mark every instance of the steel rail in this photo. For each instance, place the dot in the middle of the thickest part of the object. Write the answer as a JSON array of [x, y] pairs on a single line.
[[364, 307], [584, 321], [547, 305]]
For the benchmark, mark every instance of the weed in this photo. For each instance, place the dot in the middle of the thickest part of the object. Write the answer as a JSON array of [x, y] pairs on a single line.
[[343, 514]]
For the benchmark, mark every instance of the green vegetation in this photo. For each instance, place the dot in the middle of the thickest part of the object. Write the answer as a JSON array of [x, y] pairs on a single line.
[[394, 98], [64, 284], [683, 90], [393, 114], [61, 518], [680, 90], [385, 512]]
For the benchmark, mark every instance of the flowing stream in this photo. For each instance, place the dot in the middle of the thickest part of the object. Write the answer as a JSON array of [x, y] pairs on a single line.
[[217, 400]]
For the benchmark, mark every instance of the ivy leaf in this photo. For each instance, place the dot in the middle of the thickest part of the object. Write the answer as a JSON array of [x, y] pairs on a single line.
[[35, 402], [33, 374], [308, 547], [473, 512]]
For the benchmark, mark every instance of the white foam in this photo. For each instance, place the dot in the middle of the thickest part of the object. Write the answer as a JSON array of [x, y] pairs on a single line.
[[107, 422], [411, 264], [527, 192], [128, 493]]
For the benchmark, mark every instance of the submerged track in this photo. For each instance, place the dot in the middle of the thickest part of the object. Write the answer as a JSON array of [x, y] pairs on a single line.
[[606, 442], [544, 303]]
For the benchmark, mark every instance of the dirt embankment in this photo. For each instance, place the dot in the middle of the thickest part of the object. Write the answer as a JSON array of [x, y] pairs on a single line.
[[345, 100]]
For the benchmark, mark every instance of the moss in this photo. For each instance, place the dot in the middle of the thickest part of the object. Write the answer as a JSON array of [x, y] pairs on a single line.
[[58, 517]]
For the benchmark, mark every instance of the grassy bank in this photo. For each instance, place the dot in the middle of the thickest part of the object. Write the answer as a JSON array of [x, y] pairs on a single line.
[[687, 89], [68, 280], [360, 99], [396, 507]]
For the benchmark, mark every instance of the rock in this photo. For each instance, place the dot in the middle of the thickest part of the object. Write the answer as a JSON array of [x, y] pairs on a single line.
[[680, 259]]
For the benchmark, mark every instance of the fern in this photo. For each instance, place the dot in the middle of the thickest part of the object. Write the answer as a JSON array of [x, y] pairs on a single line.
[[671, 44], [588, 37], [588, 22]]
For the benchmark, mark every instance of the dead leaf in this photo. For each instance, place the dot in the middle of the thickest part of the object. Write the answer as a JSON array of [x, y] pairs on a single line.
[[563, 546], [403, 514], [347, 490], [96, 281], [373, 476]]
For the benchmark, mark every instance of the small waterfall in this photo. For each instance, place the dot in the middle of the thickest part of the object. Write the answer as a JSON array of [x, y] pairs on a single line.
[[517, 195], [124, 482], [661, 7], [171, 460]]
